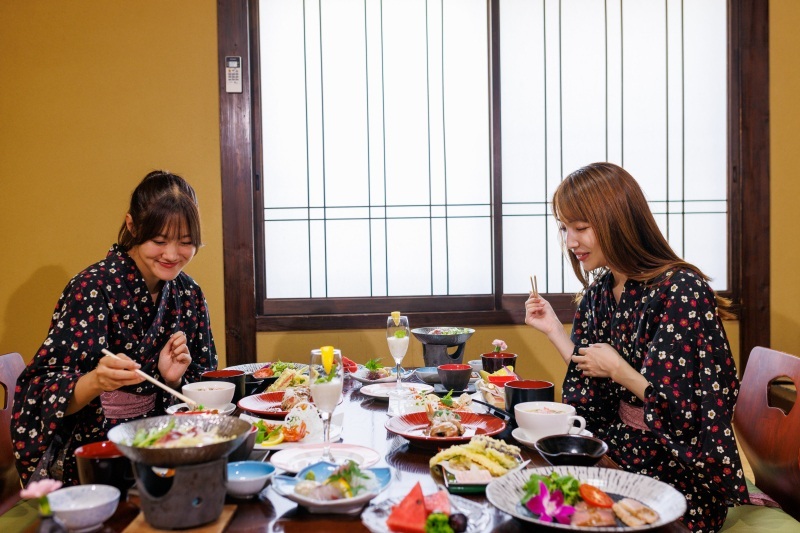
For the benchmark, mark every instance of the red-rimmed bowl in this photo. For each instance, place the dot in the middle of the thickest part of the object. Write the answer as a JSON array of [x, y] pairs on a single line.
[[413, 425], [501, 381]]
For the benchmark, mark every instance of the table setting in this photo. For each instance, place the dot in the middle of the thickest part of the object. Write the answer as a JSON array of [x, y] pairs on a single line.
[[378, 454]]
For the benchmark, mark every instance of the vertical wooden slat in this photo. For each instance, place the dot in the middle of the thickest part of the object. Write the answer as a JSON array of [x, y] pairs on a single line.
[[749, 175], [237, 186]]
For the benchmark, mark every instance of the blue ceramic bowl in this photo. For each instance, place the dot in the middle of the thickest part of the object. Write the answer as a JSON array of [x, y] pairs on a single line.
[[284, 485], [247, 478]]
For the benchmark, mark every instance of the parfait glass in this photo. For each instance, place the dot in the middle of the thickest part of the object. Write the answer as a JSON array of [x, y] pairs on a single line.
[[397, 335], [326, 377]]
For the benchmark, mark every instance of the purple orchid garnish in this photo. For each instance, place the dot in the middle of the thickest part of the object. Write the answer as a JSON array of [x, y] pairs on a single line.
[[549, 506]]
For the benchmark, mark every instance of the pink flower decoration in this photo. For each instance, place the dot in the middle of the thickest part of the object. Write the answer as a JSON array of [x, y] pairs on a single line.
[[549, 506], [499, 346], [40, 488]]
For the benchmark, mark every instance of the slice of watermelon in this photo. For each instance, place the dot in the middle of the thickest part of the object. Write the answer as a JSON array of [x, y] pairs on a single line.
[[409, 515], [438, 502]]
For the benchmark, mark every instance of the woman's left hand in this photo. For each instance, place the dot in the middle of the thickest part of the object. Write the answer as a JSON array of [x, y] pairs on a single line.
[[174, 358], [599, 360]]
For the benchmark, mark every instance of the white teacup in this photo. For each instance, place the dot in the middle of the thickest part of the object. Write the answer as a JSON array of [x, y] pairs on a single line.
[[540, 419]]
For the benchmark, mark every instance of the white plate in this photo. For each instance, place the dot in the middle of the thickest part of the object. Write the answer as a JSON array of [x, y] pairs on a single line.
[[478, 515], [336, 433], [361, 375], [505, 493], [520, 436], [295, 459], [228, 409], [381, 390]]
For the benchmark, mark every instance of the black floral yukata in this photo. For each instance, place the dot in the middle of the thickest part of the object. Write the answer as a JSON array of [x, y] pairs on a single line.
[[105, 306], [669, 331]]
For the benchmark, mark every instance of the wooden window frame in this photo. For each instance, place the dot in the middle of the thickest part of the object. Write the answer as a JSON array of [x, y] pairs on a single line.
[[748, 178]]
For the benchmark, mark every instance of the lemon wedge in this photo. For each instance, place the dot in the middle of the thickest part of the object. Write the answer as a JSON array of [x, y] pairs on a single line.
[[396, 317], [327, 358], [277, 439]]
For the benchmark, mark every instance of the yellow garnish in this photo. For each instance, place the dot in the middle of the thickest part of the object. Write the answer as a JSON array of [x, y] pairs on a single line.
[[396, 317], [327, 358], [274, 440]]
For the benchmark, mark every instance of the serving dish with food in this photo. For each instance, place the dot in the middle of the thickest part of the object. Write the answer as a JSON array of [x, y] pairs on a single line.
[[184, 409], [329, 488], [302, 425], [455, 427], [587, 499], [470, 467], [374, 372], [417, 511], [169, 441]]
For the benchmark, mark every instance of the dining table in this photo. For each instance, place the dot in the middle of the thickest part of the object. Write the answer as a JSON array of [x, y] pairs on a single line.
[[363, 420]]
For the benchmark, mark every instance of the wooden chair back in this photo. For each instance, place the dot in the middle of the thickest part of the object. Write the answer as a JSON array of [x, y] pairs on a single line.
[[769, 437], [11, 366]]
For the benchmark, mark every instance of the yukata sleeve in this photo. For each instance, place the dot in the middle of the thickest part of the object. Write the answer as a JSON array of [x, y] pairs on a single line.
[[45, 387], [591, 397], [198, 335], [694, 385]]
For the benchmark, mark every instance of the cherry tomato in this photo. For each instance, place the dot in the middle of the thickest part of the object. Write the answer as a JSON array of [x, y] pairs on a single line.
[[594, 496], [294, 433]]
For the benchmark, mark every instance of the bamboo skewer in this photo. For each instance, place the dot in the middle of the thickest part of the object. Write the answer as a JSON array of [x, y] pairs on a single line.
[[154, 381]]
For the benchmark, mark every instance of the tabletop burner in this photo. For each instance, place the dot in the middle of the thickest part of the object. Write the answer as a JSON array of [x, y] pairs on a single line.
[[435, 347]]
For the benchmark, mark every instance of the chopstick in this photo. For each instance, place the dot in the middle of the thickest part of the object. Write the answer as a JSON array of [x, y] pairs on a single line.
[[534, 287], [154, 381]]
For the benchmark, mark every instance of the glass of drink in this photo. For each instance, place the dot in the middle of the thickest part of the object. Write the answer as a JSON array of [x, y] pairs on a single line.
[[326, 377], [397, 335]]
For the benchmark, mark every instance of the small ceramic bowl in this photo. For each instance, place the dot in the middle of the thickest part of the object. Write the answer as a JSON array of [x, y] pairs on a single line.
[[577, 450], [210, 394], [476, 364], [454, 376], [248, 478], [84, 507]]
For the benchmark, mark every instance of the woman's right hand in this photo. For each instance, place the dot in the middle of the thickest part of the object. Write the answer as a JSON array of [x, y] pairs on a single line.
[[112, 373], [540, 315]]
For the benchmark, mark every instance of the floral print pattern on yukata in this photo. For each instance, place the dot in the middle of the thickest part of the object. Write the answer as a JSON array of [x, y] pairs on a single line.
[[106, 305], [669, 330]]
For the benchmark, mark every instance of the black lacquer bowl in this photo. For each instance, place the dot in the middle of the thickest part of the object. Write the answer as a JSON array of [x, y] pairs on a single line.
[[578, 450]]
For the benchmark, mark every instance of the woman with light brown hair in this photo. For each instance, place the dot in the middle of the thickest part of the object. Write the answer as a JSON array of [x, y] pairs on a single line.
[[648, 363]]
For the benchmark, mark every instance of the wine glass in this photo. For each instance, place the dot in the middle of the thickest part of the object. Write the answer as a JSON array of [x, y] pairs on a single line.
[[326, 377], [397, 335]]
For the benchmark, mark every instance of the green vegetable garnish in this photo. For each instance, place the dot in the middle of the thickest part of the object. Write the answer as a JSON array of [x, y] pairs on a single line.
[[373, 364], [400, 333], [329, 377], [280, 366], [447, 399], [567, 484], [310, 476], [348, 472], [264, 432], [145, 438], [438, 523]]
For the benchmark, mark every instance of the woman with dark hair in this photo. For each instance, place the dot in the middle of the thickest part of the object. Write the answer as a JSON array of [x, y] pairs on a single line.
[[138, 303], [649, 365]]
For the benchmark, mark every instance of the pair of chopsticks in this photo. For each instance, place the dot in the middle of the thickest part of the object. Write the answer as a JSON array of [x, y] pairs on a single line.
[[534, 286], [154, 381]]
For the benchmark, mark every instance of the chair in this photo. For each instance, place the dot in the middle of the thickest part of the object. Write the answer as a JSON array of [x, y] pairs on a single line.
[[11, 366], [769, 437]]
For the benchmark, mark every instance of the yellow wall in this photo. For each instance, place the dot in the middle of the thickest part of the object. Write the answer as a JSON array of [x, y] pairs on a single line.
[[94, 94]]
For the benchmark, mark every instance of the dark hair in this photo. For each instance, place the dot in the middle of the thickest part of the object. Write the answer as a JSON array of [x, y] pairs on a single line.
[[162, 204], [612, 202]]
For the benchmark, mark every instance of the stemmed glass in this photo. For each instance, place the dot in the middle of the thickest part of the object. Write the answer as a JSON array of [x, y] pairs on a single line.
[[397, 335], [326, 377]]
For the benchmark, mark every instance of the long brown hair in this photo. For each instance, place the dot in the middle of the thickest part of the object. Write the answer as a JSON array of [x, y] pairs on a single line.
[[162, 203], [608, 198]]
